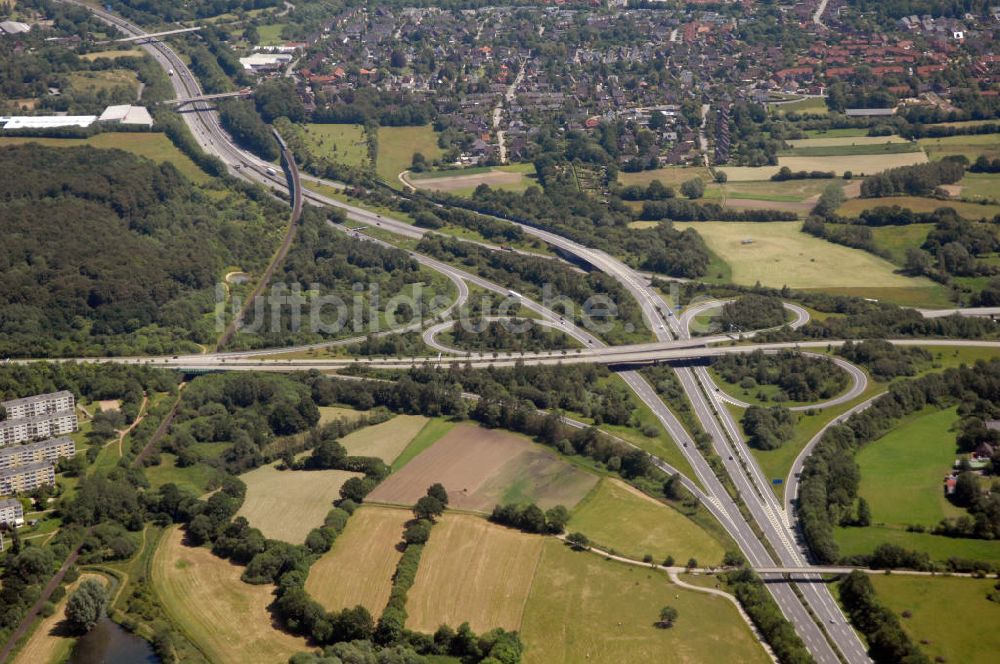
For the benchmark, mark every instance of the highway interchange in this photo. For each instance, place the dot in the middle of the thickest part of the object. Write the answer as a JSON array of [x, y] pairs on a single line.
[[769, 541]]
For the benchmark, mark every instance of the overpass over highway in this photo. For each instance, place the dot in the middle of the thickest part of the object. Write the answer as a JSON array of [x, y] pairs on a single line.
[[154, 35], [183, 101]]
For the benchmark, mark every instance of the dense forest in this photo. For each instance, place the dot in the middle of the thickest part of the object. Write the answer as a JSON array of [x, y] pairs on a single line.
[[515, 334], [353, 283], [107, 253], [918, 180], [799, 377], [751, 312]]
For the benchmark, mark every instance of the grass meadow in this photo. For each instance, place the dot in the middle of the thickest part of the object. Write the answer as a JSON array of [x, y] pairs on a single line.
[[274, 495], [585, 608], [650, 527], [902, 473], [950, 618], [396, 147], [204, 597], [343, 143]]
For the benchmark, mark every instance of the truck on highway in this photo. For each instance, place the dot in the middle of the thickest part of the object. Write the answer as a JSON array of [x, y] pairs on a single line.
[[170, 72], [514, 294]]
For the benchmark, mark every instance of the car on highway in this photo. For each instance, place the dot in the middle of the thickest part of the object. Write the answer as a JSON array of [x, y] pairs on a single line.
[[271, 171]]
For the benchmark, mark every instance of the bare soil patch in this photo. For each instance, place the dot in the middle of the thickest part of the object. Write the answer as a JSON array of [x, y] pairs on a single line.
[[483, 467]]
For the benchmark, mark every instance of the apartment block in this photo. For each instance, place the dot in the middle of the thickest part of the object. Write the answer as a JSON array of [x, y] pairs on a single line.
[[22, 479], [50, 450], [11, 513], [40, 404], [13, 431]]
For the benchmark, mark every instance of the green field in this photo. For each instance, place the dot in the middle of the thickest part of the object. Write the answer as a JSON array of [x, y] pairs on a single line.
[[465, 181], [429, 435], [195, 478], [902, 473], [103, 81], [775, 464], [672, 176], [950, 618], [970, 146], [946, 357], [616, 516], [153, 146], [759, 395], [831, 140], [270, 35], [837, 133], [865, 162], [855, 206], [874, 149], [861, 541], [789, 191], [813, 105], [897, 239], [343, 143], [976, 186], [781, 255], [583, 608], [396, 147]]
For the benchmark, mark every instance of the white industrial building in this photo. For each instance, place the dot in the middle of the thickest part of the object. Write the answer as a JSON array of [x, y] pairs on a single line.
[[11, 513], [10, 122], [13, 27], [127, 114], [265, 61]]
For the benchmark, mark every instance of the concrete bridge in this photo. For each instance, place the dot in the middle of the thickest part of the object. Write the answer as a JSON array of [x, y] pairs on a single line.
[[154, 35]]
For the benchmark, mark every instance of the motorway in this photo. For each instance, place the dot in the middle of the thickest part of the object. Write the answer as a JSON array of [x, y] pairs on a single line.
[[828, 637]]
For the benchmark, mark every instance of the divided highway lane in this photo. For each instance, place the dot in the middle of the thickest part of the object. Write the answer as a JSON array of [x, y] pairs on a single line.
[[775, 532], [769, 515]]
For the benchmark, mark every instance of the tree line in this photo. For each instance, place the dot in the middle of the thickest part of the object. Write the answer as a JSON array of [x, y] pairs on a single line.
[[917, 180], [800, 377]]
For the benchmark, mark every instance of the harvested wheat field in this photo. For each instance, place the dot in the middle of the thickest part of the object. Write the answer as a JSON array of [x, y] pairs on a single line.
[[358, 568], [227, 619], [483, 467], [473, 570], [273, 495], [386, 440]]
